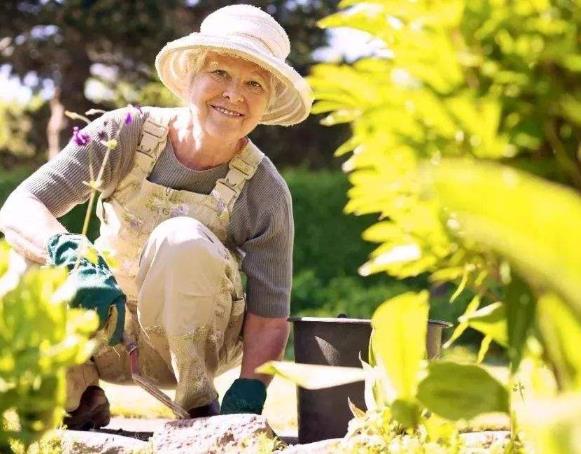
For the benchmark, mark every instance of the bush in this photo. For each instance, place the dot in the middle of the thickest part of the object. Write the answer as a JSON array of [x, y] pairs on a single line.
[[39, 338], [327, 241]]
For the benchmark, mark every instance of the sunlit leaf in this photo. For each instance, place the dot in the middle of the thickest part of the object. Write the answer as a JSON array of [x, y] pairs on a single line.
[[310, 376], [484, 346], [399, 340], [532, 222], [379, 390], [490, 321], [355, 411], [40, 337], [463, 325], [456, 391], [561, 334], [461, 286]]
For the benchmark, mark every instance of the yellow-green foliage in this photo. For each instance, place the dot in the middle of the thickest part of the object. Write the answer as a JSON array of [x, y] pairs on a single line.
[[15, 127], [481, 80], [39, 338], [490, 79]]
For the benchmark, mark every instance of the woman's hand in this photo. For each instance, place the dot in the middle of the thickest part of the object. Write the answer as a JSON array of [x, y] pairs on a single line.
[[95, 285], [264, 340], [246, 395]]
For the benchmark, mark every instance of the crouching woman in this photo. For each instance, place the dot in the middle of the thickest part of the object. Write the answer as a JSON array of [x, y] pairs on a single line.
[[188, 205]]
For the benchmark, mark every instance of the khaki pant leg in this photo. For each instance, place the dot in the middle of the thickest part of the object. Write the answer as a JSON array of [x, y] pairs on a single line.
[[185, 305], [78, 379], [113, 362]]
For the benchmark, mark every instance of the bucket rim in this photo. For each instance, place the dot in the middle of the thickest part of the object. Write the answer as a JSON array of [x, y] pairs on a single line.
[[356, 321]]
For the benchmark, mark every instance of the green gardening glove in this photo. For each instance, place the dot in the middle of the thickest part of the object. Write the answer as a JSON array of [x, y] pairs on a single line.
[[246, 395], [96, 287]]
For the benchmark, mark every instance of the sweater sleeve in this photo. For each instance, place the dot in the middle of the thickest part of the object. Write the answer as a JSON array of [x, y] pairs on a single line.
[[60, 183], [268, 259]]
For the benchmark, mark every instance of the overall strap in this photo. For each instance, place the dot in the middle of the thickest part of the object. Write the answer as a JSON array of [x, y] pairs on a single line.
[[153, 138], [240, 169], [152, 142]]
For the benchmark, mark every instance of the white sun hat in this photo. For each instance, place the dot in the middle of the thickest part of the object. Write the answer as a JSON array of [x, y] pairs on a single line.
[[248, 32]]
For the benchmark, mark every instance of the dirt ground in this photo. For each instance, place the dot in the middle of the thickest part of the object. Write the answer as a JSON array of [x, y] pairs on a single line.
[[133, 402]]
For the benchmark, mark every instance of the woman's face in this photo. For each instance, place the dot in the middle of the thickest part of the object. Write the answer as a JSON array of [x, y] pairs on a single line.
[[228, 96]]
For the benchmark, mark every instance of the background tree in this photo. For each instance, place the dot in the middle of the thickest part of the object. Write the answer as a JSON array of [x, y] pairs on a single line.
[[64, 41]]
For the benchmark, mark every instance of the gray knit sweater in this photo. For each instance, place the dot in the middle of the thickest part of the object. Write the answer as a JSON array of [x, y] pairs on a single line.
[[261, 224]]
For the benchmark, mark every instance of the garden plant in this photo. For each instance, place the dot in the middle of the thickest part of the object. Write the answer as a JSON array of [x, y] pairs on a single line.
[[39, 338], [465, 140], [41, 335]]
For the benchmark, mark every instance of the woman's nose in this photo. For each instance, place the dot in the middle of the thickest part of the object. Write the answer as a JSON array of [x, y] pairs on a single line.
[[233, 93]]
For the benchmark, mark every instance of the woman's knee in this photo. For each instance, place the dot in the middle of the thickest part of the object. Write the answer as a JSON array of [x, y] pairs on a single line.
[[184, 247], [181, 236]]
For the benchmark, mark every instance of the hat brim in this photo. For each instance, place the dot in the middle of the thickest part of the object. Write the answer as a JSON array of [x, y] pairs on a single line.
[[291, 105]]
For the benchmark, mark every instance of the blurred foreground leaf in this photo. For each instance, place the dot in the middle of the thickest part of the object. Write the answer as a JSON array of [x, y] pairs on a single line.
[[398, 340], [552, 425], [561, 334], [39, 338], [310, 376], [490, 321], [457, 391], [534, 223]]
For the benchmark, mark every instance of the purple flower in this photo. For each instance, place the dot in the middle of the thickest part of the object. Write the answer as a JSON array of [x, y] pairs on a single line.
[[80, 138], [102, 135], [129, 115]]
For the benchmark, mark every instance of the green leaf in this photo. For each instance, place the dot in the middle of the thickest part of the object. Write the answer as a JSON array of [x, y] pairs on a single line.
[[39, 339], [461, 286], [483, 350], [520, 314], [399, 340], [490, 321], [456, 391], [463, 325], [561, 334], [406, 412], [355, 411], [310, 376], [534, 223]]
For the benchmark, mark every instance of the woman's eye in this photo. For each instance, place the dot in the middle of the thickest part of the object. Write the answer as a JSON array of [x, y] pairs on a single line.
[[255, 84], [219, 72]]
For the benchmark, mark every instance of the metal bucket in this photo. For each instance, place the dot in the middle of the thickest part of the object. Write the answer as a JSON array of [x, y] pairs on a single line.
[[324, 413]]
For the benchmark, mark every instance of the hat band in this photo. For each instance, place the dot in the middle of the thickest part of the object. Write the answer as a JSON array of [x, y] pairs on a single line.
[[256, 40]]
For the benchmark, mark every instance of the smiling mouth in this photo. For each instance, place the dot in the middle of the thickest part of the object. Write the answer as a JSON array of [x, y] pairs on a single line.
[[227, 112]]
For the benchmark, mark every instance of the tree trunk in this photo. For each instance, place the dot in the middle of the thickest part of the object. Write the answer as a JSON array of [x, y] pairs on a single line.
[[56, 124], [74, 71]]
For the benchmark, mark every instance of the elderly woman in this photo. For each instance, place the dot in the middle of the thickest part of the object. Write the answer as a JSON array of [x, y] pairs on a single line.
[[187, 203]]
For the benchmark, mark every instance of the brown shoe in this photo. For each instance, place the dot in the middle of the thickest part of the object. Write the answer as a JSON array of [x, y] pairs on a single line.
[[92, 413], [212, 409]]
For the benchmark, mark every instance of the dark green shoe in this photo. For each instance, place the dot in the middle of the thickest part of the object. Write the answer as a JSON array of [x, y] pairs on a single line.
[[93, 411]]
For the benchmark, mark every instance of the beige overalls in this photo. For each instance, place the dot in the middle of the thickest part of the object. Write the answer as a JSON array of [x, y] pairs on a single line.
[[173, 260]]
